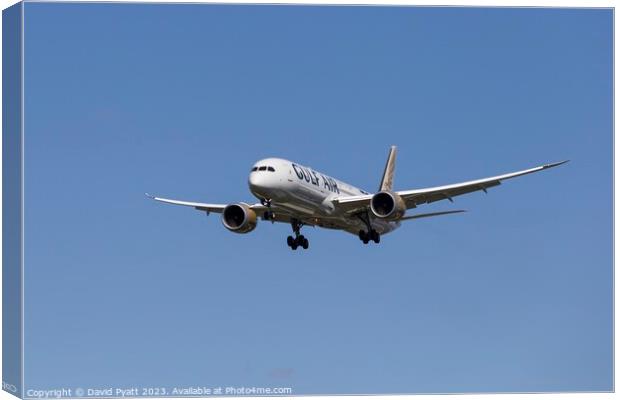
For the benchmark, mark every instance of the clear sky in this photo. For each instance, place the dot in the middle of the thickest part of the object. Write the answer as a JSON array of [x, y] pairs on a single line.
[[181, 100]]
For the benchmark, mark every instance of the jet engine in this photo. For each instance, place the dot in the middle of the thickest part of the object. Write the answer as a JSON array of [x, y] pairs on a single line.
[[239, 218], [387, 205]]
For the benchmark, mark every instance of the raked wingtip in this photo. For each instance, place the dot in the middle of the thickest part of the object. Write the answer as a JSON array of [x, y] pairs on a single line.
[[555, 164]]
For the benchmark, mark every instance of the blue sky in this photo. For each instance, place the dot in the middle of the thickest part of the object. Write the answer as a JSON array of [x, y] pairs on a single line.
[[180, 100]]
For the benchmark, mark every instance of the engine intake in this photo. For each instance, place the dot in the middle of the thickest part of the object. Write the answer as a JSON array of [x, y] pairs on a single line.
[[239, 218], [387, 205]]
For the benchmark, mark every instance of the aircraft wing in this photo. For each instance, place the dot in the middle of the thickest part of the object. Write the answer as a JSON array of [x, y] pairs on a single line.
[[415, 197], [208, 207]]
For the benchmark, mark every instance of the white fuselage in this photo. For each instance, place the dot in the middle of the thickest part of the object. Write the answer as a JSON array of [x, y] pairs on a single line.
[[306, 192]]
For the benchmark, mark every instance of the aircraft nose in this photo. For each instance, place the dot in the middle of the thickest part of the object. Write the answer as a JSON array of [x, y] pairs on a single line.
[[259, 185], [263, 184], [255, 181]]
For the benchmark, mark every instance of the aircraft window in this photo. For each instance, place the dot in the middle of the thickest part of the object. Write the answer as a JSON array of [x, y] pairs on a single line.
[[255, 169], [263, 168], [270, 169]]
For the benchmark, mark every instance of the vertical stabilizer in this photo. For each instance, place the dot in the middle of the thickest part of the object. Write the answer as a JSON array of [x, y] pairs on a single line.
[[388, 173]]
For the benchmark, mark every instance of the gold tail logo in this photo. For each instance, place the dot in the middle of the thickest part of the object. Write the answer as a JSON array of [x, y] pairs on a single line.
[[388, 174]]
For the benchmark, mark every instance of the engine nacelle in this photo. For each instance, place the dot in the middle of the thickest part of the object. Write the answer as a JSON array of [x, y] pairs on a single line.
[[388, 205], [239, 218]]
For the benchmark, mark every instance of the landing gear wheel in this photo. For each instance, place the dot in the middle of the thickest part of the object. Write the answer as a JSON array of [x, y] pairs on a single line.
[[299, 240], [267, 215], [364, 237], [368, 234]]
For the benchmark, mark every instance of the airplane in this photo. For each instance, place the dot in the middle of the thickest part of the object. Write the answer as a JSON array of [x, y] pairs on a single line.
[[301, 196]]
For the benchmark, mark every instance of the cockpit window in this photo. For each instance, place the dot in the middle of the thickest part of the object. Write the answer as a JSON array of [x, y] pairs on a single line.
[[254, 169], [270, 169], [262, 168]]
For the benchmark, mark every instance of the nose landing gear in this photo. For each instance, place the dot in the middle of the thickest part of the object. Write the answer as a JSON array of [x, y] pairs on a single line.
[[267, 215], [299, 240]]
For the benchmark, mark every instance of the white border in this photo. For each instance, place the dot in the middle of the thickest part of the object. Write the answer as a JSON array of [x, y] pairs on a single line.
[[23, 108], [475, 3]]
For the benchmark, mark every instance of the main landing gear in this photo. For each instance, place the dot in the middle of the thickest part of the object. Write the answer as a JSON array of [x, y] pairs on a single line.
[[368, 234], [299, 240]]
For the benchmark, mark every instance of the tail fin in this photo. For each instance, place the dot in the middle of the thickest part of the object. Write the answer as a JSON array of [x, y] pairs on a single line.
[[388, 173]]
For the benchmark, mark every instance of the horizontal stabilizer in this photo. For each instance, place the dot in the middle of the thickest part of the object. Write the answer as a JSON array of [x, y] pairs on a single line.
[[434, 214]]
